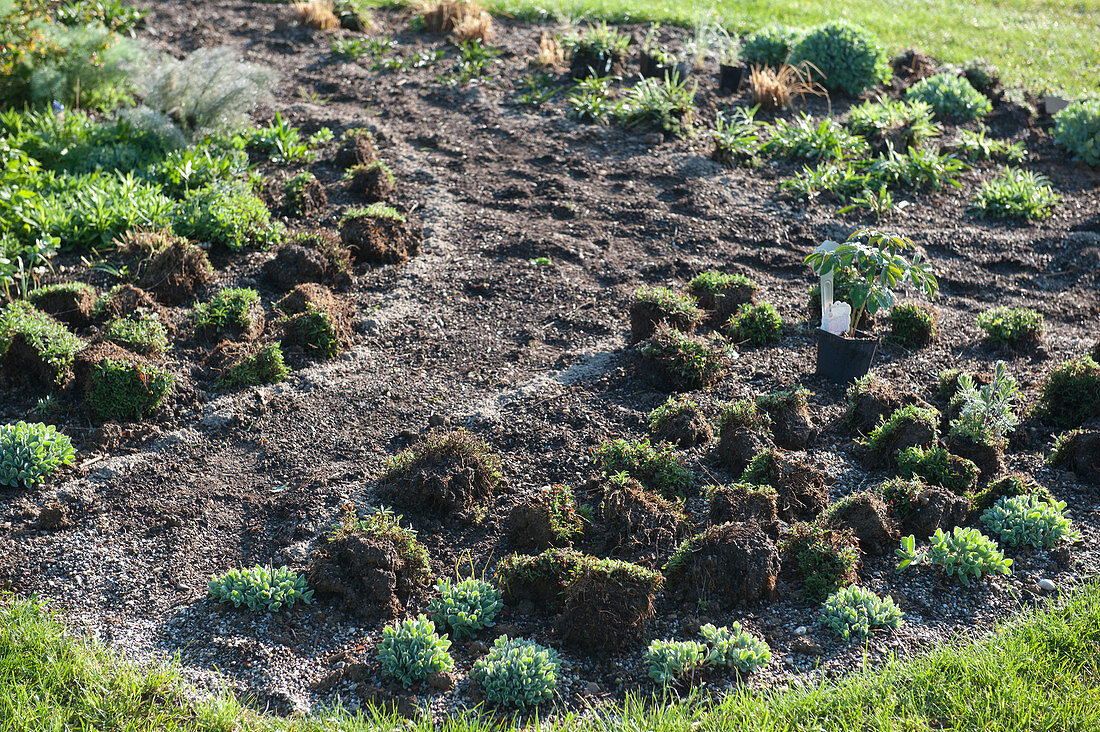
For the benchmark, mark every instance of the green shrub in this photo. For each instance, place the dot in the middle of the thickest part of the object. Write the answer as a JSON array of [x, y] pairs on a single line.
[[744, 414], [951, 97], [902, 124], [939, 467], [52, 341], [590, 100], [518, 673], [856, 611], [1012, 326], [824, 558], [1071, 394], [261, 588], [29, 453], [964, 553], [758, 323], [679, 310], [230, 309], [143, 334], [295, 189], [977, 146], [733, 648], [411, 651], [596, 51], [225, 213], [384, 524], [124, 391], [1029, 521], [770, 46], [912, 325], [847, 57], [466, 607], [687, 362], [266, 366], [803, 140], [91, 68], [1015, 193], [903, 418], [736, 138], [666, 104], [920, 167], [659, 468], [1077, 129], [986, 415], [669, 661]]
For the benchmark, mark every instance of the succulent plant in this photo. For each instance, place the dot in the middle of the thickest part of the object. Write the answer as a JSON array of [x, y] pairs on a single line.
[[31, 452], [466, 607], [411, 651], [261, 588], [856, 611], [518, 673]]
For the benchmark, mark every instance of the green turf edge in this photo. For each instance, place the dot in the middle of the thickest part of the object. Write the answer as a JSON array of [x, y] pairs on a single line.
[[1040, 45], [1040, 671]]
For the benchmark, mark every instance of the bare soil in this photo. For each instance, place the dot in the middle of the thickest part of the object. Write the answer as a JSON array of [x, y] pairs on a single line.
[[468, 332]]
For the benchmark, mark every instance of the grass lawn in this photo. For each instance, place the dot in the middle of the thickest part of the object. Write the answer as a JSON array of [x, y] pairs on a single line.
[[1040, 672], [1038, 44]]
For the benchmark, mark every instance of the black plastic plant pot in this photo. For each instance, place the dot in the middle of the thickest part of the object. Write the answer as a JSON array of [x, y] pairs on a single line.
[[730, 77], [842, 359], [647, 65], [651, 68]]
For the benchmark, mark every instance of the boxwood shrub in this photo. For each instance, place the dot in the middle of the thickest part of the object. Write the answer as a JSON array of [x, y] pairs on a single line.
[[847, 57]]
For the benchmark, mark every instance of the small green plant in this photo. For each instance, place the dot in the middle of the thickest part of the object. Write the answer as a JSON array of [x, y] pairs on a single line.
[[541, 88], [374, 211], [350, 49], [279, 142], [976, 146], [824, 558], [1016, 193], [844, 57], [1071, 394], [920, 167], [659, 468], [678, 309], [806, 141], [756, 323], [770, 46], [1012, 326], [591, 101], [937, 466], [951, 97], [856, 611], [901, 124], [736, 138], [315, 331], [986, 415], [666, 104], [518, 673], [744, 414], [903, 420], [230, 309], [49, 339], [1029, 521], [296, 190], [143, 333], [124, 391], [566, 520], [266, 366], [688, 361], [465, 607], [964, 553], [734, 648], [672, 407], [411, 651], [670, 661], [30, 453], [912, 325], [877, 203], [226, 213], [1077, 129], [596, 51], [261, 588], [877, 265]]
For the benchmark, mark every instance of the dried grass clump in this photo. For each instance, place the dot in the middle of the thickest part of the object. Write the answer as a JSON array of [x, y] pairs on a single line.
[[319, 14], [775, 88], [467, 20], [551, 53]]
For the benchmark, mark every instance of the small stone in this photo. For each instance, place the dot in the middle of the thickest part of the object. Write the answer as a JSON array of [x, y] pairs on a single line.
[[437, 420], [1046, 585], [591, 689], [801, 630], [479, 648], [807, 647]]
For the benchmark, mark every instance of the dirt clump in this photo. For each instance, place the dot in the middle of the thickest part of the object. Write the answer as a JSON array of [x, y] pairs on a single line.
[[380, 236], [366, 574], [70, 303], [444, 472], [293, 265], [789, 414], [631, 517], [799, 484], [872, 399], [1079, 452], [868, 518], [738, 447], [687, 428], [540, 579], [175, 271], [357, 148], [988, 458], [911, 66], [124, 300], [546, 519], [371, 183], [739, 502], [730, 565], [607, 603], [920, 509]]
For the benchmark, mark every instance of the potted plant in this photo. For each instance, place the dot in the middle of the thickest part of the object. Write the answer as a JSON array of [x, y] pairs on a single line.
[[655, 62], [877, 264], [731, 71]]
